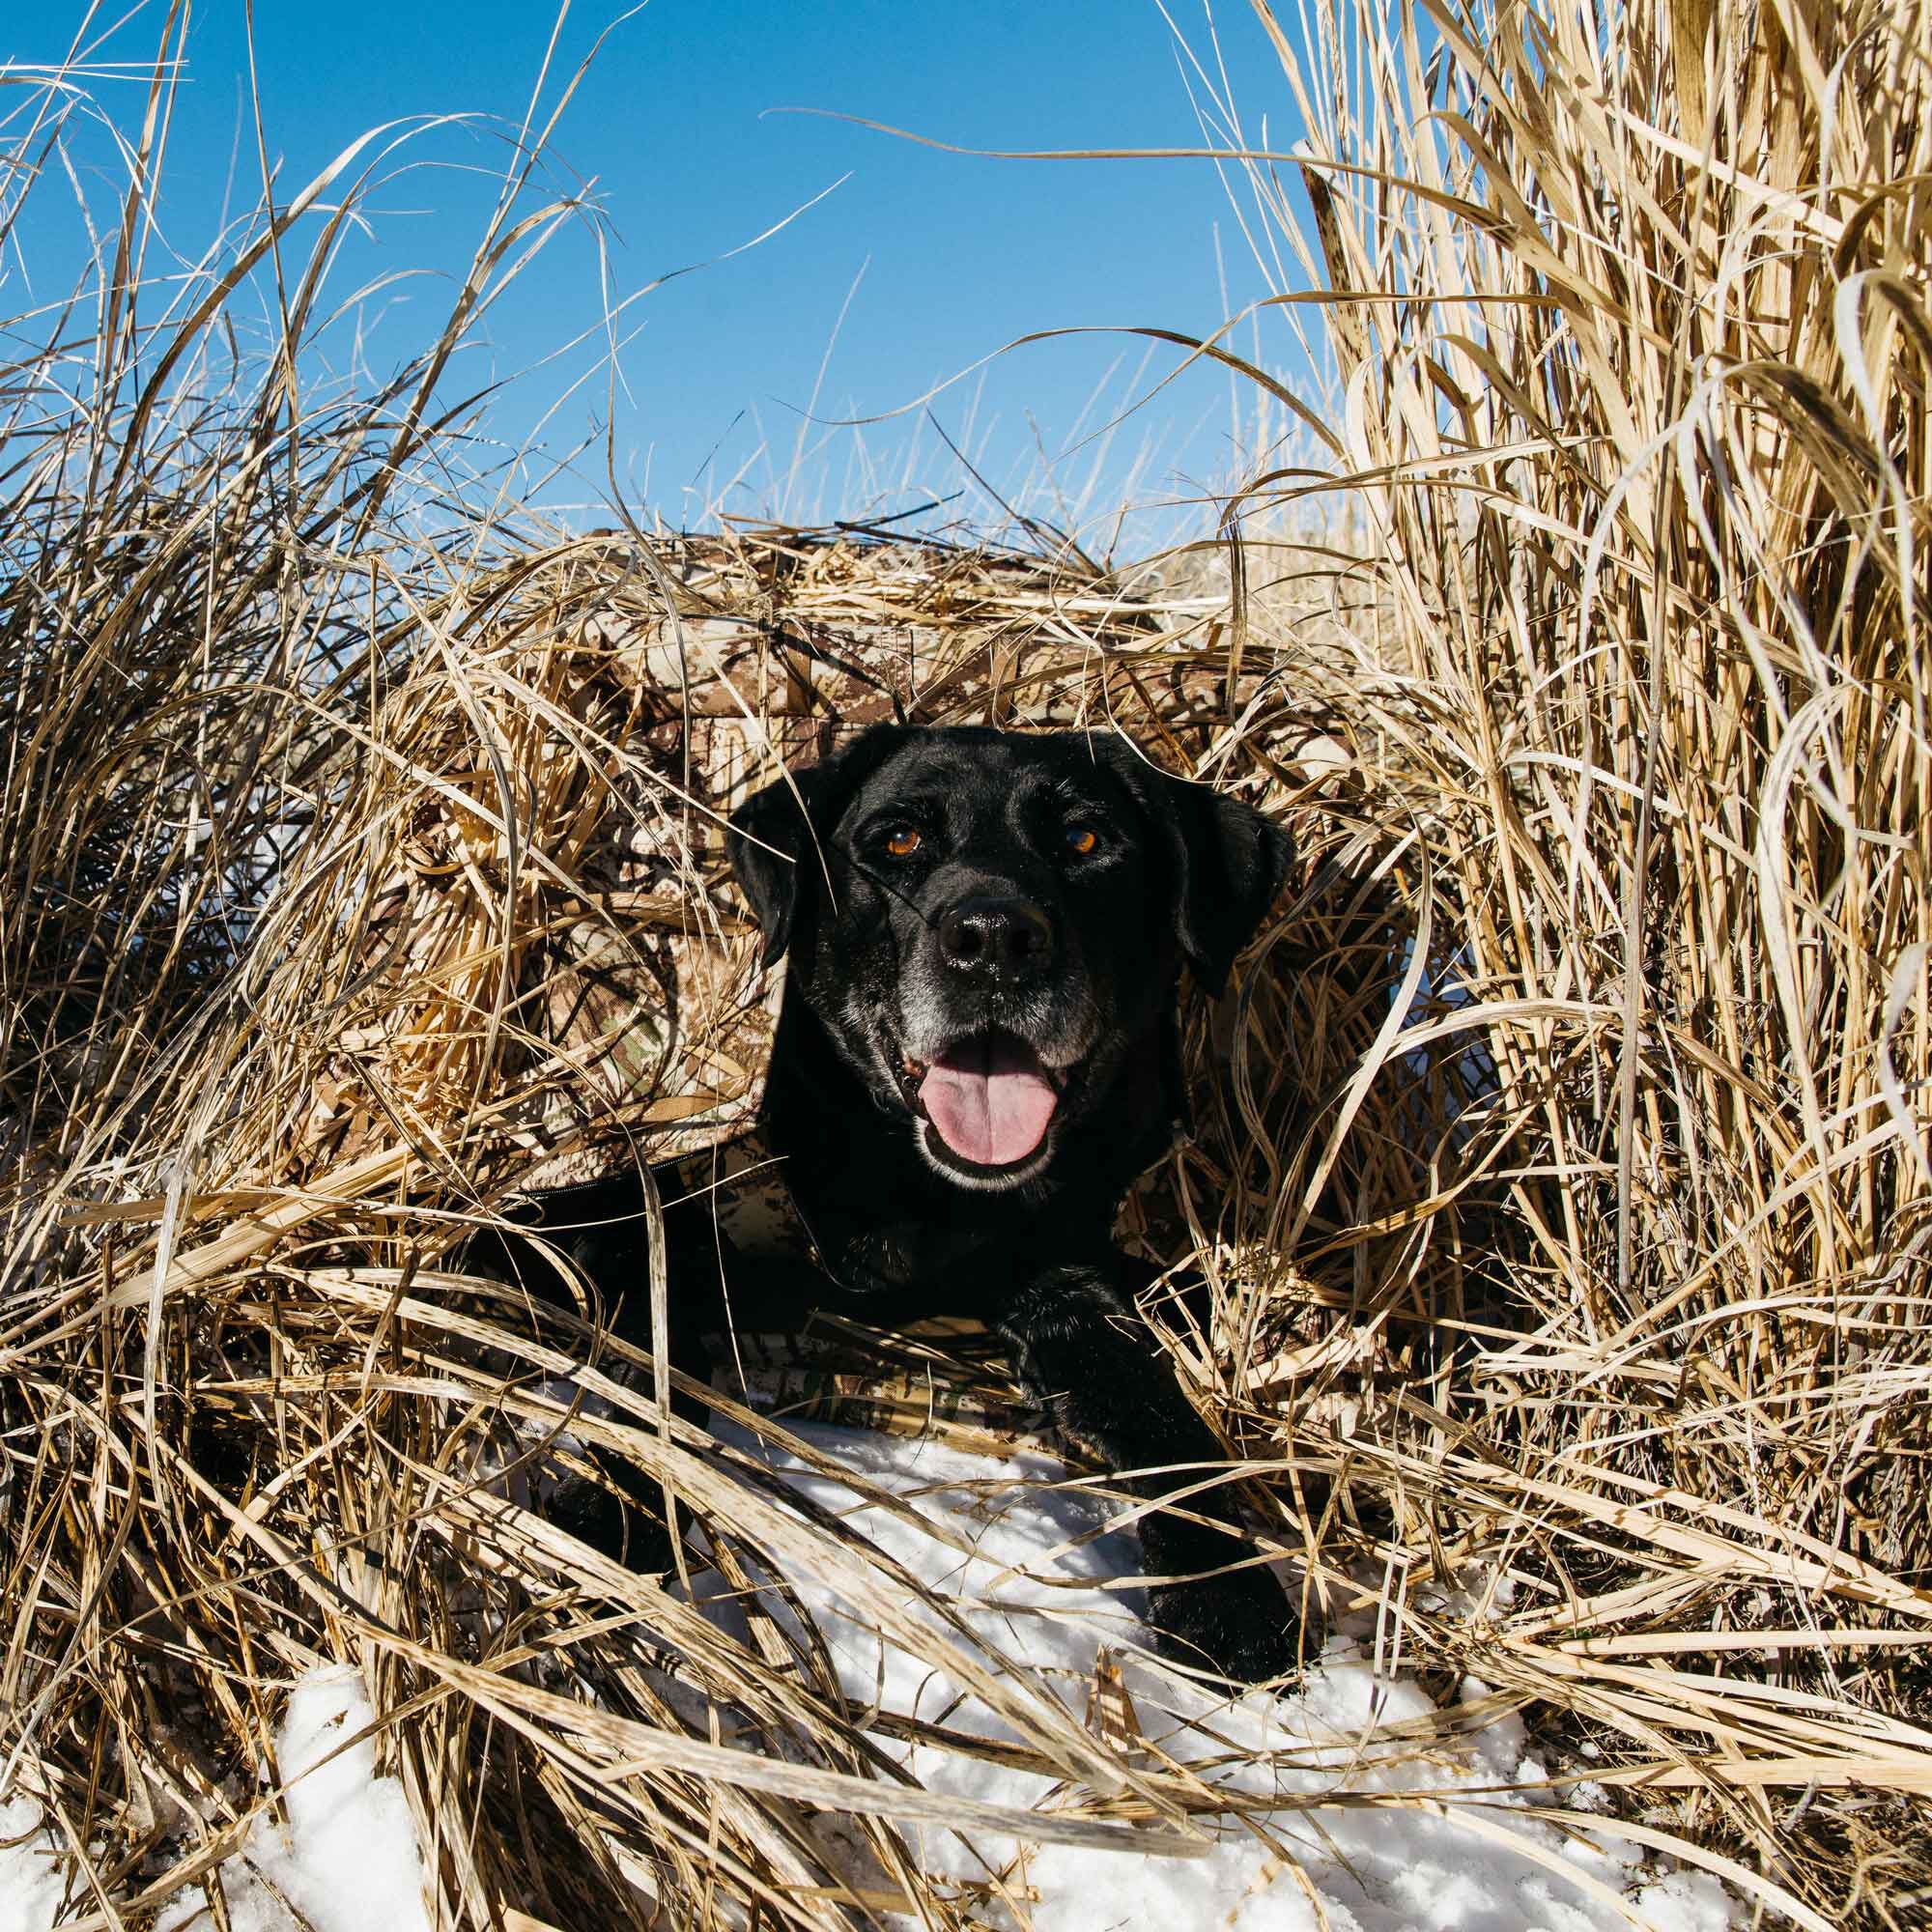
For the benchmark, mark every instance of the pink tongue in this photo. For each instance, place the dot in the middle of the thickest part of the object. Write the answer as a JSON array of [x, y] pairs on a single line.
[[990, 1101]]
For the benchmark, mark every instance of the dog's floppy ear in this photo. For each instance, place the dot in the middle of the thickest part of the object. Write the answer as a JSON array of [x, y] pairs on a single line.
[[773, 837], [1229, 863]]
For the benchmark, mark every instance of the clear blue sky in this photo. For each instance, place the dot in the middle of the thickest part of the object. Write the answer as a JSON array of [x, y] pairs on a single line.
[[952, 256]]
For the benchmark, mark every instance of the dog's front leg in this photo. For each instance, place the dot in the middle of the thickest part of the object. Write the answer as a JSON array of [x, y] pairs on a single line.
[[1086, 1353]]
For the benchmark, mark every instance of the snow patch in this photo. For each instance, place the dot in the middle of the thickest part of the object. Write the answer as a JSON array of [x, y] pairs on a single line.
[[347, 1861], [1474, 1857], [30, 1883]]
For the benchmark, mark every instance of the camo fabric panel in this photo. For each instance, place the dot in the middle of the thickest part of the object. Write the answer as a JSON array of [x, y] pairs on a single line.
[[942, 1378], [586, 994]]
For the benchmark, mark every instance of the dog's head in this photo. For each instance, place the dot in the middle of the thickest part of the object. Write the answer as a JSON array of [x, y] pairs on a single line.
[[989, 926]]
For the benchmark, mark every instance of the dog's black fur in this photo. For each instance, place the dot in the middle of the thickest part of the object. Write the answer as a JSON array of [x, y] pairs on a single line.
[[983, 930]]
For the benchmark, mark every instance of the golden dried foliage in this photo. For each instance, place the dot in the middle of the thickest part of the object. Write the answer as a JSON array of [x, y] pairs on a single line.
[[1561, 1177]]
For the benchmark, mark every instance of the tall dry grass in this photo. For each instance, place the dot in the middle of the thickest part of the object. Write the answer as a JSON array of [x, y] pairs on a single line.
[[1561, 1172], [1629, 310]]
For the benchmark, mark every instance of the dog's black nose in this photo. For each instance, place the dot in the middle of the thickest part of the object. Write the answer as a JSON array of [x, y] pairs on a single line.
[[1001, 939]]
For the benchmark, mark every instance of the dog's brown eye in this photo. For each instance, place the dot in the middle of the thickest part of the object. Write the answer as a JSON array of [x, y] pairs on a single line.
[[903, 841], [1082, 841]]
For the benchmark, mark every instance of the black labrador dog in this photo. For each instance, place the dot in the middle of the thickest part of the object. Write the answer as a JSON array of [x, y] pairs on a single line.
[[978, 1054]]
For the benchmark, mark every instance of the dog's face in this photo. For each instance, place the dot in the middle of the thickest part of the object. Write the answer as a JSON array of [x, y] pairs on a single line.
[[989, 926]]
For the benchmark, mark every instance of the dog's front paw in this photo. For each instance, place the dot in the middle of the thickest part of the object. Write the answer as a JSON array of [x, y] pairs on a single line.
[[1241, 1625]]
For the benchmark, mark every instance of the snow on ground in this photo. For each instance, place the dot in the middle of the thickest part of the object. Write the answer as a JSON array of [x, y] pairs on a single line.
[[347, 1861], [1477, 1859], [30, 1886]]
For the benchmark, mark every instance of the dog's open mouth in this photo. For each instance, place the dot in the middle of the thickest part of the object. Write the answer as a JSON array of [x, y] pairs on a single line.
[[989, 1098]]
